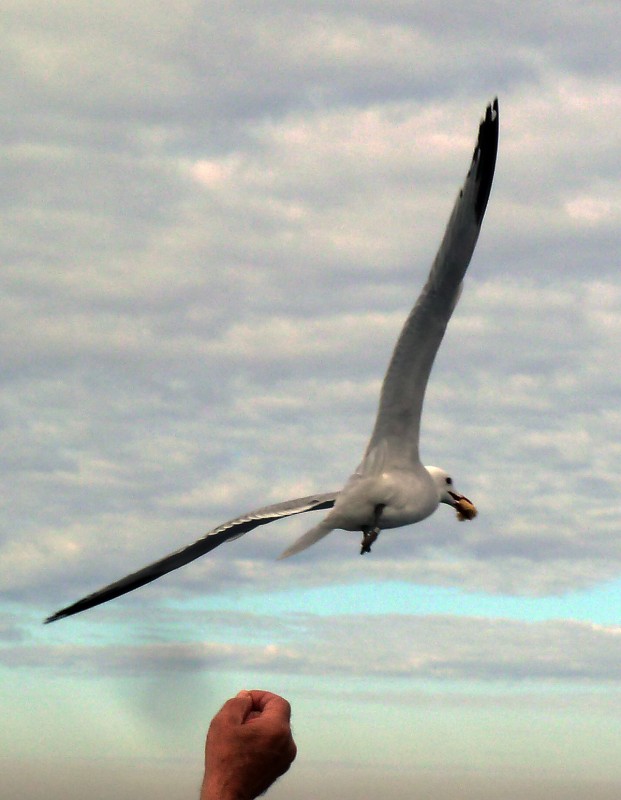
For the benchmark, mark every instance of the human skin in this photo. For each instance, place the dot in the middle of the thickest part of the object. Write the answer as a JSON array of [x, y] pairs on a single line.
[[249, 745]]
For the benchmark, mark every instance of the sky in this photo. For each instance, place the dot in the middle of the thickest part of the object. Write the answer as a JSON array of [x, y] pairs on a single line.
[[215, 219]]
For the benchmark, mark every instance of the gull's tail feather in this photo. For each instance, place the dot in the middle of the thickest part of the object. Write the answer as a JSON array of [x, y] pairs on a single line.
[[307, 539]]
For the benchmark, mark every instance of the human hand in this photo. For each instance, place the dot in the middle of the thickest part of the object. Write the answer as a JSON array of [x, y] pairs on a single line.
[[249, 745]]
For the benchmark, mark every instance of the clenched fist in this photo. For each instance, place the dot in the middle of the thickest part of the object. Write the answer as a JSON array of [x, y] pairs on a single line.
[[249, 745]]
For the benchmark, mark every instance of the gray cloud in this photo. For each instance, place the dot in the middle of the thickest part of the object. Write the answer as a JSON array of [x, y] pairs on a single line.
[[215, 218], [433, 647], [205, 268], [10, 630]]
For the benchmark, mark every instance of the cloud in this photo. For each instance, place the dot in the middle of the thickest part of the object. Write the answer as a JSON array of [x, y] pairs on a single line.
[[10, 630], [215, 220], [435, 647], [210, 252]]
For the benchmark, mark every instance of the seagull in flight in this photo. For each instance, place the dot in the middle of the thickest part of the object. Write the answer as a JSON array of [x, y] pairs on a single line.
[[391, 487]]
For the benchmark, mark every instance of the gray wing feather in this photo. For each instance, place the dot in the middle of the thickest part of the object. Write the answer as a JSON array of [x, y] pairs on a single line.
[[224, 533], [397, 425]]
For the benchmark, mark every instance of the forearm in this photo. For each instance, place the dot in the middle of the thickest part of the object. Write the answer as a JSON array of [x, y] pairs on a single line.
[[215, 788]]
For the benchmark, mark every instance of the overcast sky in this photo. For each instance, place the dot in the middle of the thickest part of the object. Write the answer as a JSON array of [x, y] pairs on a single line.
[[215, 219]]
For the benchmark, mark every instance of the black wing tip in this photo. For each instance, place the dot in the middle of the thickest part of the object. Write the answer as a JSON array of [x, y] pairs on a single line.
[[485, 156], [54, 617], [491, 117], [175, 560], [66, 612], [80, 605]]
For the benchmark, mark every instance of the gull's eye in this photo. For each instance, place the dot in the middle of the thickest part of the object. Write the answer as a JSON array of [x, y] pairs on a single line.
[[449, 481]]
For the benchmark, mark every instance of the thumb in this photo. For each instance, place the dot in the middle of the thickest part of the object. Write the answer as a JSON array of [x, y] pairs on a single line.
[[235, 710]]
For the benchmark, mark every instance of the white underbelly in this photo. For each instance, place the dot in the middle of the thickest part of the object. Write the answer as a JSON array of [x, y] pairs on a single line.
[[406, 497]]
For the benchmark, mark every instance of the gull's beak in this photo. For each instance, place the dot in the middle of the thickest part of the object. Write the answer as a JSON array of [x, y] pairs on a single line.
[[464, 507]]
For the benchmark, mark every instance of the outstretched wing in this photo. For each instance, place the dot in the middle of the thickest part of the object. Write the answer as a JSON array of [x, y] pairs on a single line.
[[397, 426], [224, 533]]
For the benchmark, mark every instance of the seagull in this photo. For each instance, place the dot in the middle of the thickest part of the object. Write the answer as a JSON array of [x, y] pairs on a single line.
[[391, 487]]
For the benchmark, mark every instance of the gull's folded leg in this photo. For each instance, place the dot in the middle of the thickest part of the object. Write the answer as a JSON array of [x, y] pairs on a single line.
[[371, 532]]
